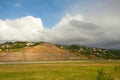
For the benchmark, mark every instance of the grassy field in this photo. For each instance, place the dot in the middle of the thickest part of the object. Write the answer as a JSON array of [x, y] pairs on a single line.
[[59, 71]]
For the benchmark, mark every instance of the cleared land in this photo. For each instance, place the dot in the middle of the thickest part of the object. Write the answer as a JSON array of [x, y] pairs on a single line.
[[59, 71]]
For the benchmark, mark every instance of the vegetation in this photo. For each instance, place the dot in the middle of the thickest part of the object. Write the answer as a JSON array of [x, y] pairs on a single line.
[[102, 75], [17, 45], [88, 51], [58, 71]]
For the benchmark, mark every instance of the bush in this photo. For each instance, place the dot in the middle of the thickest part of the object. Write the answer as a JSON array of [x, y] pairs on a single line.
[[102, 75], [117, 69]]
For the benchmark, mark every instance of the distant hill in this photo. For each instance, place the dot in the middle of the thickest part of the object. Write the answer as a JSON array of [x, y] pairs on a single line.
[[33, 51], [92, 52]]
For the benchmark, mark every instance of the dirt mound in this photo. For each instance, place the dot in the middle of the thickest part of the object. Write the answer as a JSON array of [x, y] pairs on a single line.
[[44, 51]]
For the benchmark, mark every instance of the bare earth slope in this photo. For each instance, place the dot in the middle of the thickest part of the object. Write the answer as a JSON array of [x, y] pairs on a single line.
[[44, 51]]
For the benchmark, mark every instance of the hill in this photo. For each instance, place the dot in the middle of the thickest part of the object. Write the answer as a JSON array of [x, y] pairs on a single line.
[[34, 51], [23, 51], [92, 52]]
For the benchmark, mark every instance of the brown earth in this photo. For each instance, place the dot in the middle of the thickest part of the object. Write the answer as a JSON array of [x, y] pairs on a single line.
[[44, 51]]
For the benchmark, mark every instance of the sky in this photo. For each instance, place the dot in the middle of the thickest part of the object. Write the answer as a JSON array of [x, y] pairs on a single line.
[[85, 22]]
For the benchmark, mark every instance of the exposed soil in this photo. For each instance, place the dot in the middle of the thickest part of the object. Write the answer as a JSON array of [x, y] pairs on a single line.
[[44, 51]]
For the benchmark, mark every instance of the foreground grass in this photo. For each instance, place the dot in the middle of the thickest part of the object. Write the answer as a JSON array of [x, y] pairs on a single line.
[[59, 71]]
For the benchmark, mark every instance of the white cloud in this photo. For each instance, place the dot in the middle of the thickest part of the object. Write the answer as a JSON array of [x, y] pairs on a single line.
[[73, 29], [103, 13], [69, 30], [25, 28], [76, 30]]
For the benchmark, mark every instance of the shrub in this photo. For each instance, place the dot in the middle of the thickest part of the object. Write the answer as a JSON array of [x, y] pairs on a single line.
[[102, 75]]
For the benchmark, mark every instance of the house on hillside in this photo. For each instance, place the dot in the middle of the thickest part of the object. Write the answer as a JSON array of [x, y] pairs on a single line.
[[29, 44]]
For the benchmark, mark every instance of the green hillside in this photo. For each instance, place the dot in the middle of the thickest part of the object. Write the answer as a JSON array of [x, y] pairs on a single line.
[[92, 51]]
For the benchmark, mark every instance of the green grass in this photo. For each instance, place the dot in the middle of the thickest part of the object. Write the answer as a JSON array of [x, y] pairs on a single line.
[[58, 71]]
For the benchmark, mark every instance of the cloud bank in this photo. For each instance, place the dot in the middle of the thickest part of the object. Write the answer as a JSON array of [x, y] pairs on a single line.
[[69, 30], [25, 29]]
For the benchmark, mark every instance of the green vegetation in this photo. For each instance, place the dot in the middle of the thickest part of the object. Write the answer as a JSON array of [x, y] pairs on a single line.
[[15, 46], [102, 75], [59, 71], [88, 51]]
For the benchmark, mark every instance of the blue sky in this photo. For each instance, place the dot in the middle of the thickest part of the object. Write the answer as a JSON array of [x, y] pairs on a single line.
[[50, 11], [89, 22]]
